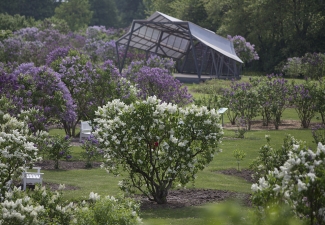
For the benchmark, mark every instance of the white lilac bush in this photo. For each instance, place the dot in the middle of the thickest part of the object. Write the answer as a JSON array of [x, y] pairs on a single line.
[[16, 150], [156, 143], [43, 206], [299, 182]]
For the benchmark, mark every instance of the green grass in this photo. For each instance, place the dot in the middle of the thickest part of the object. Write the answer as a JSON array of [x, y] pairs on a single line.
[[86, 180]]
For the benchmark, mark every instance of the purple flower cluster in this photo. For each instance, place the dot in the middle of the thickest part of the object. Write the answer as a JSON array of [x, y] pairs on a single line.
[[157, 81], [57, 53], [245, 50], [34, 45], [41, 88]]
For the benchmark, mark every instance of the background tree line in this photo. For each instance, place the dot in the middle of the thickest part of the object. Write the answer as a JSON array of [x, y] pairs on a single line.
[[279, 29]]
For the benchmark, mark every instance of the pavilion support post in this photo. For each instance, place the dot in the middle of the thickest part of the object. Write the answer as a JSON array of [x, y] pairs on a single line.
[[118, 56], [194, 57], [214, 64], [221, 64], [185, 60], [204, 58], [159, 40], [127, 48]]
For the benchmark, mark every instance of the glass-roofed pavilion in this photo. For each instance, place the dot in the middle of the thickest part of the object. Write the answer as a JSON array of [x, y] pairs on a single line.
[[196, 50]]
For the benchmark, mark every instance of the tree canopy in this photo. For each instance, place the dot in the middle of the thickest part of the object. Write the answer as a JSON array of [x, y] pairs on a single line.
[[104, 13], [75, 12]]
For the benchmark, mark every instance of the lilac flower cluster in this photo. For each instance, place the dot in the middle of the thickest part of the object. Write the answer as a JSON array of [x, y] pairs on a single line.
[[33, 45], [245, 50], [90, 85], [41, 88], [154, 77], [158, 82], [57, 53], [100, 50]]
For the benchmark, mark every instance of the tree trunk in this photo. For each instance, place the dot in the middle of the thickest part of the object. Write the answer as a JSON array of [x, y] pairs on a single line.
[[161, 196]]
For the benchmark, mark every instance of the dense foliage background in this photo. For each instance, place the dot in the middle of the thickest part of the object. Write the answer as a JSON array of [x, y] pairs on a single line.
[[279, 29]]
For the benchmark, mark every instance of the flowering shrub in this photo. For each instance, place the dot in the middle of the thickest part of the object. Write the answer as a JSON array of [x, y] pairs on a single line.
[[59, 148], [244, 50], [320, 100], [318, 132], [293, 67], [92, 152], [304, 99], [242, 99], [33, 45], [311, 65], [270, 158], [42, 206], [299, 182], [211, 101], [156, 143], [154, 77], [100, 44], [153, 61], [241, 127], [226, 98], [16, 150], [273, 95], [40, 88], [108, 210], [158, 82], [90, 85]]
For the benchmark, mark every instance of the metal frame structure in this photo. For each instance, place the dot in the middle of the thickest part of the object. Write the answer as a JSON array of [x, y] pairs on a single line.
[[196, 50]]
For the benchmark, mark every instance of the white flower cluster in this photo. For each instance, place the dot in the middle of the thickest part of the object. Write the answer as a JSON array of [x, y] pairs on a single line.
[[296, 178], [22, 207], [19, 209], [94, 196], [15, 148]]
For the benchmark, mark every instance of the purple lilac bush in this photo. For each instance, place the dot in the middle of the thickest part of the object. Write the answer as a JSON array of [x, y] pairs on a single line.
[[311, 65], [242, 100], [244, 50], [157, 81], [41, 88], [90, 85], [273, 95], [154, 77], [303, 98]]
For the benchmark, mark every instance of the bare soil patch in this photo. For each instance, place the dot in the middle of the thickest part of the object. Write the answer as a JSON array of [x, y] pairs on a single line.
[[244, 173], [258, 125], [193, 197]]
